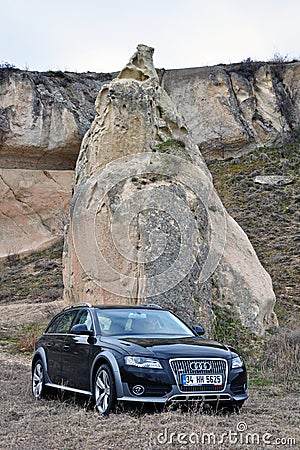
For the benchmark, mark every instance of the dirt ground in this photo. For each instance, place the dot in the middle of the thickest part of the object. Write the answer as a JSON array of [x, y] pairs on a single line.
[[269, 419]]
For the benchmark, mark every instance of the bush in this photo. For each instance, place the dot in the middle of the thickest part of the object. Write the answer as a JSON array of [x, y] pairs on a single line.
[[28, 336]]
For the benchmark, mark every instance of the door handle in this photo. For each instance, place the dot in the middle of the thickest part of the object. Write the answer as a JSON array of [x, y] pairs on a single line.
[[66, 347]]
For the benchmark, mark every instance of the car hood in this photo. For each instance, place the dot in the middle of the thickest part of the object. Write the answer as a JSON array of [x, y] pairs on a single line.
[[194, 347]]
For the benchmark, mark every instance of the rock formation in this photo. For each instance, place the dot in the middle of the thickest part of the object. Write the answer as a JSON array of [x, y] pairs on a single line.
[[146, 223], [44, 116], [34, 205], [228, 109], [233, 109], [40, 135]]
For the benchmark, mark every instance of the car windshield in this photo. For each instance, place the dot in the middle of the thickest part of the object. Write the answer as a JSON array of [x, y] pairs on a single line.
[[144, 322]]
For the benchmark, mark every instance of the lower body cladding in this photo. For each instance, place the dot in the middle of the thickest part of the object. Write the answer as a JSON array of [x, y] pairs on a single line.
[[175, 396], [153, 386]]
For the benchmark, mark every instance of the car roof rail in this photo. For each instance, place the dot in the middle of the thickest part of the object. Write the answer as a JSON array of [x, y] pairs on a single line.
[[151, 305], [76, 305]]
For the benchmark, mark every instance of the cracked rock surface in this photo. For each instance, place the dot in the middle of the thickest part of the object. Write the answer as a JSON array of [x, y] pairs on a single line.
[[33, 208], [135, 116], [228, 110]]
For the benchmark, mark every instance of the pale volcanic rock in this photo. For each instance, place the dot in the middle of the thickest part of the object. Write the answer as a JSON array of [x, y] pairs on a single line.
[[273, 180], [33, 208], [40, 123], [231, 110], [242, 282], [136, 117]]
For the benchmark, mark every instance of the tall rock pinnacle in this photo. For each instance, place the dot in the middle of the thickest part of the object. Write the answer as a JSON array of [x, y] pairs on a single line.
[[146, 224]]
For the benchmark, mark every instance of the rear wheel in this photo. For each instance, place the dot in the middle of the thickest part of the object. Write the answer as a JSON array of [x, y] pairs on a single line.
[[104, 390], [38, 380]]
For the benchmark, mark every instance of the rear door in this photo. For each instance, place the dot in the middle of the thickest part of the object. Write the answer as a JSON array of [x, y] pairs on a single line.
[[53, 343]]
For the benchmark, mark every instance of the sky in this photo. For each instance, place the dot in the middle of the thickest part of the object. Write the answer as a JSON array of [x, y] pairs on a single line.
[[101, 35]]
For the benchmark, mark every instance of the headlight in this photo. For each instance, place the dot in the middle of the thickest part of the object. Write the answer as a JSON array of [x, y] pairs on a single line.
[[138, 361], [237, 362]]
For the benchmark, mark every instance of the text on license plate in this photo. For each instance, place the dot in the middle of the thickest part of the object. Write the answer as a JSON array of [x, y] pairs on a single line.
[[199, 380]]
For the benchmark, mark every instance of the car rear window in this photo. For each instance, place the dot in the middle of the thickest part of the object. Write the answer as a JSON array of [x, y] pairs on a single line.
[[62, 323]]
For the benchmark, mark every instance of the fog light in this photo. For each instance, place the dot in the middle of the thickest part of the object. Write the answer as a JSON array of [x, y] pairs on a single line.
[[138, 389]]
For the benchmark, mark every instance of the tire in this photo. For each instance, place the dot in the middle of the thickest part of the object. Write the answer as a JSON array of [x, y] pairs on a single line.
[[38, 380], [233, 408], [104, 390], [237, 406]]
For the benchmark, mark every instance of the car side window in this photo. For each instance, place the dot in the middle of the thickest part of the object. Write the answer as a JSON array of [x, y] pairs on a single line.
[[84, 318], [62, 323]]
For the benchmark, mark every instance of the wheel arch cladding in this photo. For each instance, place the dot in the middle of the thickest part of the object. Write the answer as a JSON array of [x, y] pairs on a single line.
[[107, 358]]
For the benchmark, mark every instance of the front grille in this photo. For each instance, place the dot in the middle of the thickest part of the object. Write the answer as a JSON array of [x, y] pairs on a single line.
[[183, 366]]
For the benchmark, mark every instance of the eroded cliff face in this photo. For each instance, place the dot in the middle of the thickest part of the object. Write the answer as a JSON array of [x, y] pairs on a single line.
[[233, 109], [41, 130], [44, 116], [34, 205], [228, 110], [146, 224]]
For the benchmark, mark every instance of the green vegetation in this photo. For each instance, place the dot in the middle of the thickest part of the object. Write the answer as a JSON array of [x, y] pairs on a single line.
[[26, 337], [229, 329], [34, 278], [269, 216], [169, 143]]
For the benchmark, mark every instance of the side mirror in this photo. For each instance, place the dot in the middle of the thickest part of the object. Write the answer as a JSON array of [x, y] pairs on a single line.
[[198, 330], [82, 330]]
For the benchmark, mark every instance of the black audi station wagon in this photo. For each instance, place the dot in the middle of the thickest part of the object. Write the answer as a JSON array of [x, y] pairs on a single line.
[[135, 353]]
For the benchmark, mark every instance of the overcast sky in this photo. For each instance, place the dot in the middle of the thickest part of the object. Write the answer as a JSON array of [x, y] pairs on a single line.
[[101, 35]]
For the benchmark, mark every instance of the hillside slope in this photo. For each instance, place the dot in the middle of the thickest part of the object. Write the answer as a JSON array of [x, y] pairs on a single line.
[[270, 215]]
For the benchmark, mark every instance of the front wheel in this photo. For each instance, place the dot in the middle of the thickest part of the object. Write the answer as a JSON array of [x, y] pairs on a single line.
[[38, 380], [104, 390]]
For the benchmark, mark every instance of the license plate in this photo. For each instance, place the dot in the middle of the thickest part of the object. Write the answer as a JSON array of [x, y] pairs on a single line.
[[199, 380]]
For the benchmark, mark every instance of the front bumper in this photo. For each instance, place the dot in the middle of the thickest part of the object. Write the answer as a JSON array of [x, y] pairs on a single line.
[[160, 387], [176, 396]]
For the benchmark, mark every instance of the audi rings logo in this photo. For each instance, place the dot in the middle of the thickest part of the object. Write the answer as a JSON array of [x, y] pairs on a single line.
[[166, 188], [200, 365]]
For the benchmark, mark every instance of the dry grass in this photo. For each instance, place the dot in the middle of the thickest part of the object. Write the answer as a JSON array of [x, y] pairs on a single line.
[[34, 278], [280, 363], [70, 424], [64, 422]]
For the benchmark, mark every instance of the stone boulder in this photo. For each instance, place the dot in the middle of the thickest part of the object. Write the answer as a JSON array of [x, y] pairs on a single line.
[[146, 224]]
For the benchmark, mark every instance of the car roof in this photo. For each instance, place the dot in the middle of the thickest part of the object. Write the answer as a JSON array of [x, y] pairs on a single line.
[[111, 306], [127, 307]]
